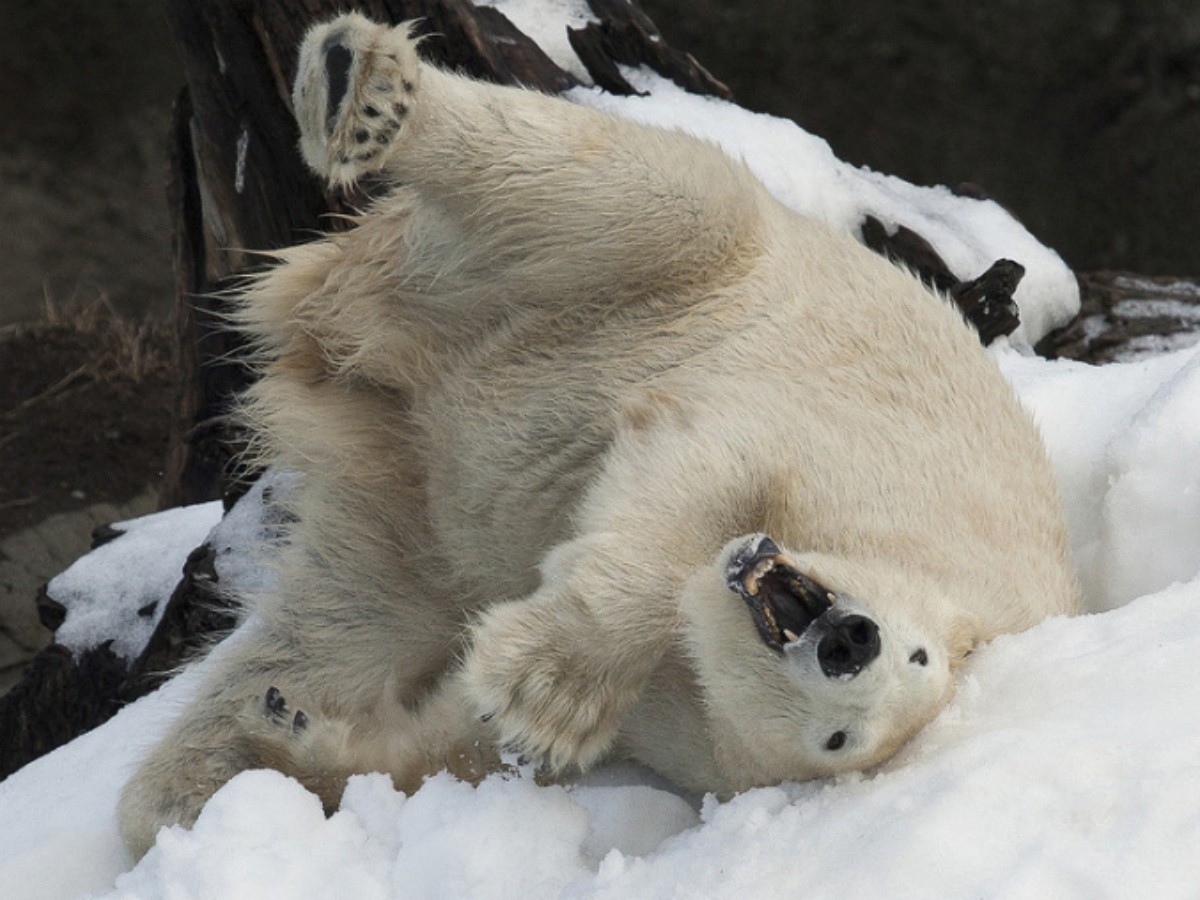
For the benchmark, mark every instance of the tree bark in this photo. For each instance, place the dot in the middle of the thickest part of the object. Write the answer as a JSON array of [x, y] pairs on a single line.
[[1124, 313], [238, 184]]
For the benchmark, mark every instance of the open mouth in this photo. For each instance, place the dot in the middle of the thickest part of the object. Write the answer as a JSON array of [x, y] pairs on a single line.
[[783, 601]]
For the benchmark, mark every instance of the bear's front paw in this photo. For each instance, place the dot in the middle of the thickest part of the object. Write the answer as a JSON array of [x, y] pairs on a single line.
[[356, 84], [549, 695]]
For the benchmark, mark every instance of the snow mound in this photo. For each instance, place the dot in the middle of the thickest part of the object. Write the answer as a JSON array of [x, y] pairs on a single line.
[[119, 590], [1123, 439], [1065, 767], [801, 171]]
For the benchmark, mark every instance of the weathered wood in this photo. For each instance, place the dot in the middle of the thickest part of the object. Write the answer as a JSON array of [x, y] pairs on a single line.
[[626, 36], [986, 301], [1125, 314], [207, 353], [59, 697]]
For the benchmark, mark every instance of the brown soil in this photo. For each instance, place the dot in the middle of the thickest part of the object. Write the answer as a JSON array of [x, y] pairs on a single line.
[[90, 388]]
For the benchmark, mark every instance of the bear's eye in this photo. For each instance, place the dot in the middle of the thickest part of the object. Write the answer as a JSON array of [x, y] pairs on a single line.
[[836, 741], [921, 658]]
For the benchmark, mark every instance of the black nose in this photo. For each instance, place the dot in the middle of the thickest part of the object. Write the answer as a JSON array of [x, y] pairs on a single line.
[[850, 645]]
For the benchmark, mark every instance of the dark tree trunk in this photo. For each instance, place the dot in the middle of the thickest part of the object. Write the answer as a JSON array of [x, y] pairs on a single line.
[[238, 184]]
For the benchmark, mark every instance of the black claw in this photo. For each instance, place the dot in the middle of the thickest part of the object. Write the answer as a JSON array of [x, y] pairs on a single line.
[[275, 702], [300, 721]]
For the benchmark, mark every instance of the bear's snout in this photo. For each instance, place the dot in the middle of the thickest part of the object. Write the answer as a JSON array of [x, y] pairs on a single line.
[[849, 646]]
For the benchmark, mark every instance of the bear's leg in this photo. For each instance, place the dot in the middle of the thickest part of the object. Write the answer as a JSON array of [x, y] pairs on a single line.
[[538, 197], [552, 674], [260, 711]]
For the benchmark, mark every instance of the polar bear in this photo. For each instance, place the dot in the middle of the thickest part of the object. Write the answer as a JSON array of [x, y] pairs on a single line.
[[604, 452]]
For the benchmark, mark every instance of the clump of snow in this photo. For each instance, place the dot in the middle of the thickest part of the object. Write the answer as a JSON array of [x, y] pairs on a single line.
[[800, 170], [243, 541], [118, 591], [1123, 439], [1065, 767], [546, 22]]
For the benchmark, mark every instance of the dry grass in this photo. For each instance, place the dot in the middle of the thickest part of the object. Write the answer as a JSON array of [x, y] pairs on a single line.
[[124, 349]]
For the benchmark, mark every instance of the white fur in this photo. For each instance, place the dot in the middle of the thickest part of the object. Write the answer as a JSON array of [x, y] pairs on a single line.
[[537, 394]]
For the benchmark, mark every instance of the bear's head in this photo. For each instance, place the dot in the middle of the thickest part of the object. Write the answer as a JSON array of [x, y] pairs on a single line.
[[803, 674]]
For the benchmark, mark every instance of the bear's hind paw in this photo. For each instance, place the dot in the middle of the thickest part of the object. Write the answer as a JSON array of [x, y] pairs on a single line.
[[356, 83], [276, 710]]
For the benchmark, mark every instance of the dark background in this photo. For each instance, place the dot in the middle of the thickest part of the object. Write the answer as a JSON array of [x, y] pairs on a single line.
[[1082, 116]]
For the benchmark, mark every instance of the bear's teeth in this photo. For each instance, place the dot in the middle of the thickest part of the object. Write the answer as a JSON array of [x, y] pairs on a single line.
[[791, 636]]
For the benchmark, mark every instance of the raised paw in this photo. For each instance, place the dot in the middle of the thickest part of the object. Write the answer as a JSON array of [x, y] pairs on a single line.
[[548, 697], [356, 83]]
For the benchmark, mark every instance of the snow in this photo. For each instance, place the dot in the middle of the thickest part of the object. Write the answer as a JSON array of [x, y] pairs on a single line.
[[1068, 764], [119, 590], [103, 592], [801, 171], [547, 21], [1123, 439]]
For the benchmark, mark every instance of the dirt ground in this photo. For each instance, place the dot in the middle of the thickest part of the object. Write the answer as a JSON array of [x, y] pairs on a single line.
[[91, 389]]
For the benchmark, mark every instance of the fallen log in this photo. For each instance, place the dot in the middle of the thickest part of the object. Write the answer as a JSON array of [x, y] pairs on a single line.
[[1124, 315]]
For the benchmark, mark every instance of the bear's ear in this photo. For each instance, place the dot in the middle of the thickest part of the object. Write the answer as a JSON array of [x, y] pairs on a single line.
[[783, 601]]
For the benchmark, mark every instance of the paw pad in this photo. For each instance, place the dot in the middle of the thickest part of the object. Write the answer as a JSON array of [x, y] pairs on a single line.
[[354, 89]]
